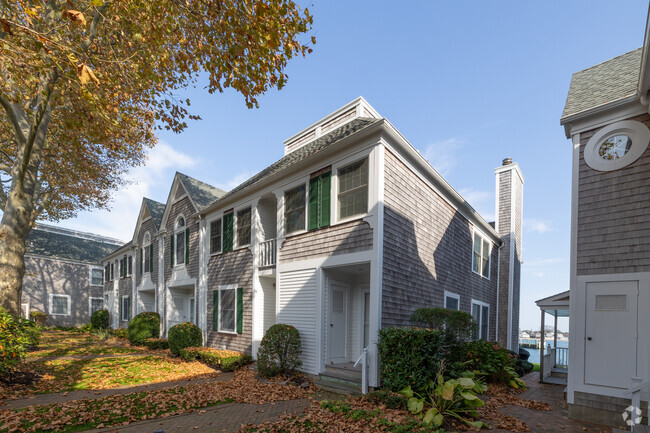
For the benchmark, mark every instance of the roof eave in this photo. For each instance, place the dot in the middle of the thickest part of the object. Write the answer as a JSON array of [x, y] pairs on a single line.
[[567, 121]]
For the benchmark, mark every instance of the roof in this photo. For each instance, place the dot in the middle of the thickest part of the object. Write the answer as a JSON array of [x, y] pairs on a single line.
[[200, 193], [556, 305], [59, 245], [124, 247], [156, 209], [606, 82], [303, 153]]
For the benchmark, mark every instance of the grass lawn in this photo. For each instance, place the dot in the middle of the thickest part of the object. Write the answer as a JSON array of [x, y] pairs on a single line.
[[62, 343], [536, 366]]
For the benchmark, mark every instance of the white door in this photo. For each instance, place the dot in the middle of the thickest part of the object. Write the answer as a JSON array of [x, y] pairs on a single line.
[[611, 333], [338, 329], [179, 313]]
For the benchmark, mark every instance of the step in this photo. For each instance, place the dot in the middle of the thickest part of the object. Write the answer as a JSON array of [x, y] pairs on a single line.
[[338, 387], [343, 373]]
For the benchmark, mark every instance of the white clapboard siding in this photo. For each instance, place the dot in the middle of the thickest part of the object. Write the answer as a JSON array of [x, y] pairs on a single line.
[[297, 307], [354, 324]]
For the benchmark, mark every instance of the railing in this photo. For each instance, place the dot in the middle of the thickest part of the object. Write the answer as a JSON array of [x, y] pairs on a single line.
[[363, 359], [634, 410], [549, 356], [267, 253], [562, 357]]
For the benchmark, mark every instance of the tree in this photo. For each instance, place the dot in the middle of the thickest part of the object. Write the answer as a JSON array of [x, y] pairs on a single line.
[[85, 84]]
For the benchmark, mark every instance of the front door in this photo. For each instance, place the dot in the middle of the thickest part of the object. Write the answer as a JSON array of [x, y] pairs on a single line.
[[611, 333], [180, 310], [338, 330]]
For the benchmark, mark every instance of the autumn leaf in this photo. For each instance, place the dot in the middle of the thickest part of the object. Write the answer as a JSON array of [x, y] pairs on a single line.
[[86, 74], [5, 26], [76, 17]]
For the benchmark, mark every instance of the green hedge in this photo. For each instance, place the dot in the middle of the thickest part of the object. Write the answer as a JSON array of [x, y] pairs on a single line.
[[462, 324], [279, 351], [184, 335], [156, 343], [17, 336], [226, 360], [142, 326], [100, 319]]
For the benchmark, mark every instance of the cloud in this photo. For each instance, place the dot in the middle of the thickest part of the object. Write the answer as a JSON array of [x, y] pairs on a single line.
[[442, 154], [235, 180], [481, 200], [536, 225]]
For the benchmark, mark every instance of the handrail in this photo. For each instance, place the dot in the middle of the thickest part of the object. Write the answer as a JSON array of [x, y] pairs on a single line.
[[637, 387], [363, 359], [635, 406]]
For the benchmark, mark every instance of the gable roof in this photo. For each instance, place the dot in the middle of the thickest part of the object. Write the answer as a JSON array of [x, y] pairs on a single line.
[[301, 154], [69, 245], [156, 209], [200, 193], [601, 84]]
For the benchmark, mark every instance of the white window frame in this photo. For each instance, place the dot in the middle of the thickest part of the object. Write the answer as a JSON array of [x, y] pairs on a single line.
[[90, 304], [221, 289], [635, 130], [178, 231], [305, 222], [25, 310], [235, 234], [122, 319], [478, 322], [51, 304], [90, 276], [129, 265], [334, 197], [451, 295], [210, 221], [146, 241], [483, 238]]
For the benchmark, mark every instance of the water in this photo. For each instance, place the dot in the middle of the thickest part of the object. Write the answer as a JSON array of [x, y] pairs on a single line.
[[534, 353]]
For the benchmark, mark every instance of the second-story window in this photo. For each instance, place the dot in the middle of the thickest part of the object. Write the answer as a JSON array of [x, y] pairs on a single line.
[[180, 243], [481, 256], [215, 236], [353, 189], [320, 186], [147, 253], [294, 209], [244, 227], [129, 268]]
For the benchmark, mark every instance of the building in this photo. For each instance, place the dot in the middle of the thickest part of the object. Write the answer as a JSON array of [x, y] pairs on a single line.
[[63, 274], [607, 117], [349, 232]]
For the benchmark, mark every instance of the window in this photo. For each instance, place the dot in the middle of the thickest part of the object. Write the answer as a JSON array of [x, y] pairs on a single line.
[[294, 209], [107, 273], [228, 233], [60, 305], [96, 304], [452, 301], [126, 308], [481, 313], [146, 254], [112, 269], [129, 269], [320, 189], [215, 236], [228, 309], [96, 277], [353, 189], [244, 227], [481, 256], [617, 145], [181, 238]]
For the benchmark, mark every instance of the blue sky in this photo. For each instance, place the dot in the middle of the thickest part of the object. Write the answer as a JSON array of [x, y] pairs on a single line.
[[467, 83]]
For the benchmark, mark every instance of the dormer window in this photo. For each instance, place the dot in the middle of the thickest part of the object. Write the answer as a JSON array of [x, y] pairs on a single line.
[[180, 243]]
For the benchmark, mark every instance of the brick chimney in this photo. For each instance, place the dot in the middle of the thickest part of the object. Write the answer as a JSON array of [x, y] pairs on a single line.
[[508, 215]]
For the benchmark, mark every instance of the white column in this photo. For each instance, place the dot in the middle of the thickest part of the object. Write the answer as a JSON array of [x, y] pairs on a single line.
[[201, 299], [257, 321], [160, 286]]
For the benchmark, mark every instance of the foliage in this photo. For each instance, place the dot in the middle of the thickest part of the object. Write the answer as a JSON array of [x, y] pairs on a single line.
[[453, 398], [279, 351], [142, 326], [494, 362], [412, 356], [523, 367], [390, 399], [156, 343], [100, 319], [184, 335], [86, 328], [462, 324], [121, 333], [17, 336], [225, 360], [39, 317]]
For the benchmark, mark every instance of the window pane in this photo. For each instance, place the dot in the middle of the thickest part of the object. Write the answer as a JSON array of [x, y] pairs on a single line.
[[353, 189], [130, 269], [244, 227], [60, 305], [227, 310], [146, 259], [96, 305], [484, 322], [294, 209], [97, 277], [125, 309], [215, 236], [451, 303], [180, 248]]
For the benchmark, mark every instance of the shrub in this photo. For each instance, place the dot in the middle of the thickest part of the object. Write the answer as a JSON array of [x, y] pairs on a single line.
[[142, 326], [100, 319], [279, 351], [86, 328], [523, 367], [38, 317], [460, 323], [412, 356], [120, 333], [226, 360], [16, 337], [156, 343], [494, 362], [184, 335]]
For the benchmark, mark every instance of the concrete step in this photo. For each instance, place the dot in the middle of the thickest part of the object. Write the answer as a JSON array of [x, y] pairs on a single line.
[[338, 386], [343, 373]]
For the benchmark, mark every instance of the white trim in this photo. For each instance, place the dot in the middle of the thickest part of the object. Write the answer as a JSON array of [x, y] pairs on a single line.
[[573, 266], [145, 246], [177, 231], [208, 231], [482, 304], [452, 295], [90, 304], [25, 310], [51, 309], [220, 289], [235, 236], [90, 279], [483, 238], [305, 184], [636, 131], [334, 199]]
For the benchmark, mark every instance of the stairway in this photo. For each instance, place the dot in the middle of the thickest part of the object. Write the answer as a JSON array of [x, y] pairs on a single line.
[[340, 379]]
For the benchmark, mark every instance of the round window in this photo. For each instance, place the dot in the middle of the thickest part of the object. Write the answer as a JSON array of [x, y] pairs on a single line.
[[617, 145]]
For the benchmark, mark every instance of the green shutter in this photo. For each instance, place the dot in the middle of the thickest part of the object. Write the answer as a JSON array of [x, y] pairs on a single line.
[[141, 255], [215, 310], [314, 183], [187, 246], [228, 231], [325, 192], [240, 310], [151, 258], [171, 250]]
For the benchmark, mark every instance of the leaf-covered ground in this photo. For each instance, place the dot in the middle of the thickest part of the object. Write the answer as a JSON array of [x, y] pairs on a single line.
[[62, 343]]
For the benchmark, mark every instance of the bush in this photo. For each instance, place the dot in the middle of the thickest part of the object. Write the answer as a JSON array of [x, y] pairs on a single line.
[[100, 319], [412, 356], [120, 333], [226, 360], [184, 335], [460, 323], [156, 343], [279, 351], [38, 317], [17, 336], [494, 362], [142, 326], [523, 367]]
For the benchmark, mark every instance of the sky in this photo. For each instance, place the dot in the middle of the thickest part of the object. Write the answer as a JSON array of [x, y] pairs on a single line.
[[468, 83]]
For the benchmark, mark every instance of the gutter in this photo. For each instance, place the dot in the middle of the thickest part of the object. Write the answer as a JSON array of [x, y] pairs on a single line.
[[568, 120]]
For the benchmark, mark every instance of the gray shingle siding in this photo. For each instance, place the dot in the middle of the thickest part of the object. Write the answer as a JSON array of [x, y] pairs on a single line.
[[147, 226], [504, 181], [184, 207], [614, 215], [427, 250]]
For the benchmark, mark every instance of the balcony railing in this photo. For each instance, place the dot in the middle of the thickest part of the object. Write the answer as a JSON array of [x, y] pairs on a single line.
[[562, 357], [268, 252]]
